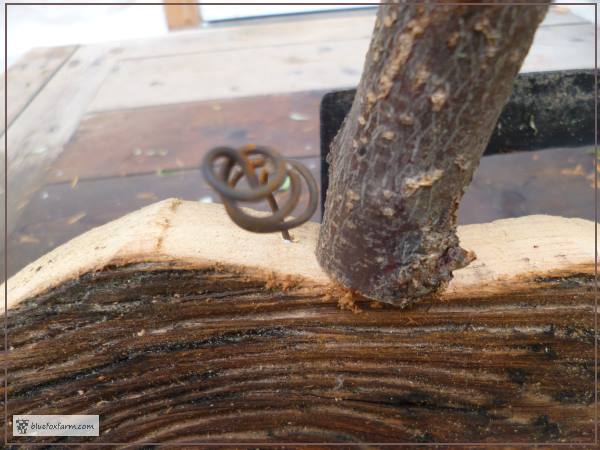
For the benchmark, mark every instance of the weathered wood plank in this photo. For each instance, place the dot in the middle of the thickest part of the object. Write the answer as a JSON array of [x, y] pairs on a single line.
[[561, 47], [556, 182], [236, 73], [29, 76], [234, 337], [283, 31], [561, 15], [177, 136], [322, 28], [38, 136], [330, 59], [60, 212], [552, 181]]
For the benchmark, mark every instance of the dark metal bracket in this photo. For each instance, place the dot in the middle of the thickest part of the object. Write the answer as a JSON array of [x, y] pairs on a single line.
[[546, 109]]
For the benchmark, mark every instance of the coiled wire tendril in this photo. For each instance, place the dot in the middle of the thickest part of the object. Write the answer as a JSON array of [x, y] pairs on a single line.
[[243, 162]]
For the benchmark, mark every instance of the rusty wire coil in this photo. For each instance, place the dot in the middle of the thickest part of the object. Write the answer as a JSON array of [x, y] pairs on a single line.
[[243, 162]]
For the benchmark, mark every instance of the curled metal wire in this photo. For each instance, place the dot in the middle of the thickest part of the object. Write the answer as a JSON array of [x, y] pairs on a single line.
[[274, 170]]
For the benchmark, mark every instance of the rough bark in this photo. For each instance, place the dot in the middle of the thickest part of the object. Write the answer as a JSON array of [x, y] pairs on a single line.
[[231, 337], [436, 78]]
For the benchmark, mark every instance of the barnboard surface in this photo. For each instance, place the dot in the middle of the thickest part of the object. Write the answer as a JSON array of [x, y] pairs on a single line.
[[326, 53], [63, 111], [176, 326], [510, 185], [56, 112], [29, 76]]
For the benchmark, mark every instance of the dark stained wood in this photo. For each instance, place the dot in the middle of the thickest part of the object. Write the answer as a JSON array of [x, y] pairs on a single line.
[[177, 136], [557, 181], [166, 355]]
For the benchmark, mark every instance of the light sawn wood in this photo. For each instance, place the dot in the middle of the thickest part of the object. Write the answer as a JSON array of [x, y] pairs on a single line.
[[176, 326], [510, 252], [181, 15]]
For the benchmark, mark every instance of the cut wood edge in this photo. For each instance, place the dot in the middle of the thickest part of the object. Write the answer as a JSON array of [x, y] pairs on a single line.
[[511, 253]]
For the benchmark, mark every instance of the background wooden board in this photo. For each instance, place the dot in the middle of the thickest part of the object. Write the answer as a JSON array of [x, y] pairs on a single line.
[[568, 46], [231, 73], [554, 181], [177, 136], [281, 32], [39, 134], [29, 76], [60, 211], [111, 118], [321, 59]]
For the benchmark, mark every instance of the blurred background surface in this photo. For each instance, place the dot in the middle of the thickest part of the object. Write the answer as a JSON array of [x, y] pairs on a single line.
[[32, 26], [111, 108]]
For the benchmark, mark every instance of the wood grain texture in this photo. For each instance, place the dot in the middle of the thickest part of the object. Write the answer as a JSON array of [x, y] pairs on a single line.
[[161, 231], [234, 337], [293, 54], [60, 212], [236, 73], [39, 134], [284, 31], [178, 136], [553, 181], [29, 76]]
